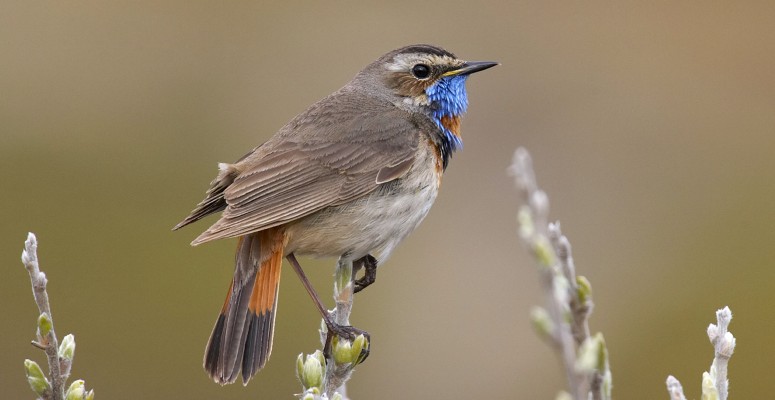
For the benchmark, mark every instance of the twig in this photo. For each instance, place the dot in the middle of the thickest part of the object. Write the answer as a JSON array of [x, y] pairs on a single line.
[[60, 356], [338, 374], [48, 341], [568, 297], [675, 389], [715, 384], [724, 345], [324, 376]]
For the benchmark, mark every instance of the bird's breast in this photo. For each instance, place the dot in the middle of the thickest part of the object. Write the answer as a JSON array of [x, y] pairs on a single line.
[[452, 124]]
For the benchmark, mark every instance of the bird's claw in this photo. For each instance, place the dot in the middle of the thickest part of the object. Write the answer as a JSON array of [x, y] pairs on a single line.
[[369, 263]]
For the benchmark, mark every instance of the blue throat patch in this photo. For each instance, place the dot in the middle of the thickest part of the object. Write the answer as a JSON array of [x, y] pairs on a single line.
[[448, 97]]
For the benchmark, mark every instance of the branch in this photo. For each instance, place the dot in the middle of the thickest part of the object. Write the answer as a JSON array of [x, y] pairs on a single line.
[[715, 385], [323, 376], [60, 357], [568, 297]]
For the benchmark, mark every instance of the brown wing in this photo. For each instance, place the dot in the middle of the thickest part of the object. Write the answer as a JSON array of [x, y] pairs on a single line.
[[322, 162]]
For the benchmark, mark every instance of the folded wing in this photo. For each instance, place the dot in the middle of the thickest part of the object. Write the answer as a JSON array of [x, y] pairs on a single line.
[[316, 165]]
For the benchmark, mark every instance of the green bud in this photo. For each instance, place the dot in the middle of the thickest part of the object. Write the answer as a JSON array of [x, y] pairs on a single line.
[[38, 382], [321, 358], [343, 352], [299, 366], [593, 355], [602, 357], [584, 288], [543, 251], [44, 324], [587, 357], [525, 222], [337, 396], [89, 395], [67, 347], [359, 344], [542, 323], [312, 372], [76, 391], [709, 391]]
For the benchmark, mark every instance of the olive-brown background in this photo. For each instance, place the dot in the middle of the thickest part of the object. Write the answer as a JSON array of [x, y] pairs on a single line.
[[652, 128]]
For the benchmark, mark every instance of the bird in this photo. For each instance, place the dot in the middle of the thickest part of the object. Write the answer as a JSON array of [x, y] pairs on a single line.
[[350, 177]]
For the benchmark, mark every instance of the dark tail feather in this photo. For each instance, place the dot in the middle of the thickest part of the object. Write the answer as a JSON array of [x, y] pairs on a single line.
[[212, 351], [242, 336], [225, 348]]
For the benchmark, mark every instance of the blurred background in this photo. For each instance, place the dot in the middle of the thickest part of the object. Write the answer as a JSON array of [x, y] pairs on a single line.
[[652, 127]]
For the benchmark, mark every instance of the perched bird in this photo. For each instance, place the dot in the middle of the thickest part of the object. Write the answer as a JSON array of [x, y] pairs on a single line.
[[350, 177]]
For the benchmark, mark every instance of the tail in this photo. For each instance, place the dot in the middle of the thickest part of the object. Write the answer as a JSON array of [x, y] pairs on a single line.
[[242, 336]]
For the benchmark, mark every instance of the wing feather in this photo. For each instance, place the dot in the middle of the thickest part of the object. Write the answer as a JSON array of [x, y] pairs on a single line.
[[316, 164]]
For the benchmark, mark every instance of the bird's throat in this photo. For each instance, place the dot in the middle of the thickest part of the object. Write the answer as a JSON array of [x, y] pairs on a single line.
[[449, 101]]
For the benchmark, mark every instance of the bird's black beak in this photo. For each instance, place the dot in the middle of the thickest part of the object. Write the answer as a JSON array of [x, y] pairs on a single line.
[[470, 67]]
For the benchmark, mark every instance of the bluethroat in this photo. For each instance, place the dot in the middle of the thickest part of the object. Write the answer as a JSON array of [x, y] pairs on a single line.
[[350, 177]]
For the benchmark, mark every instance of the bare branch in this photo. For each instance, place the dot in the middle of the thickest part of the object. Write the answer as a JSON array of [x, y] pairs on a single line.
[[568, 297], [724, 345], [47, 340], [715, 384], [60, 356]]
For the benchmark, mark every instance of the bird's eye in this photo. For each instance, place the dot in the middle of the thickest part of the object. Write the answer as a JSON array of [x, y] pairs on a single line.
[[421, 71]]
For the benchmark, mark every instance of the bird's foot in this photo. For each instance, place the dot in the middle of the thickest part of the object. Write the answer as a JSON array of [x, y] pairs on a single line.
[[369, 264]]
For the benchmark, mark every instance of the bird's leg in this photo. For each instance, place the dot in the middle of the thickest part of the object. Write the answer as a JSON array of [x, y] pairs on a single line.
[[369, 263], [344, 331]]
